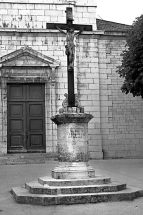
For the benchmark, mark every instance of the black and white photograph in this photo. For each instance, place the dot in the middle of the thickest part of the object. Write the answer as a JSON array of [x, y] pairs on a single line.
[[71, 107]]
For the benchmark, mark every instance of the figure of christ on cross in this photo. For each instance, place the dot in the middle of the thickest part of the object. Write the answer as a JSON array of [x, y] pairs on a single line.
[[70, 46]]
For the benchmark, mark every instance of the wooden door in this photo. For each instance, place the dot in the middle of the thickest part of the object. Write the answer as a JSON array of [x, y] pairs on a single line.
[[26, 118]]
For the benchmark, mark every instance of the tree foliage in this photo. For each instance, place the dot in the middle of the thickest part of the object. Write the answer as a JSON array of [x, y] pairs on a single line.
[[131, 68]]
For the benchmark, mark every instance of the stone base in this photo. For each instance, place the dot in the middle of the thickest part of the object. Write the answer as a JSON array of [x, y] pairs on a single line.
[[72, 136], [73, 182], [35, 188], [69, 170], [48, 191]]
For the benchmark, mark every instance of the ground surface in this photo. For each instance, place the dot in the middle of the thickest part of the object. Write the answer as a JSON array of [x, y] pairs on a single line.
[[128, 171]]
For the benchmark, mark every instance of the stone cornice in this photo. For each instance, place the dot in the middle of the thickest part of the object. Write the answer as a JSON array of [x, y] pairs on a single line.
[[25, 30], [85, 3], [71, 118], [98, 32]]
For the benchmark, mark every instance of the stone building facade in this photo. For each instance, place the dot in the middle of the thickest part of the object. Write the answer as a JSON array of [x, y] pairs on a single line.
[[33, 74]]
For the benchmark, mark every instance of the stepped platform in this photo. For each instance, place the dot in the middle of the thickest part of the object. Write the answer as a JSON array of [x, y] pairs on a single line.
[[48, 191]]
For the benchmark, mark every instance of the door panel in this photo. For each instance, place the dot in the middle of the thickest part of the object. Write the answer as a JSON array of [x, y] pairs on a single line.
[[35, 92], [36, 124], [16, 126], [16, 92], [26, 118], [16, 141], [36, 110], [36, 140]]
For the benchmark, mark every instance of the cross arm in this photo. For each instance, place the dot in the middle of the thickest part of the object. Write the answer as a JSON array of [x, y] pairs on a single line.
[[79, 32], [56, 25], [60, 30], [76, 27]]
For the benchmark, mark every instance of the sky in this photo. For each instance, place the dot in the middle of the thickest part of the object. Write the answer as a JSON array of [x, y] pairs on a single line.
[[121, 11]]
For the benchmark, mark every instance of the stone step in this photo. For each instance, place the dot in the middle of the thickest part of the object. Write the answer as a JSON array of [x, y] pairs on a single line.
[[73, 182], [36, 188], [27, 158], [23, 196]]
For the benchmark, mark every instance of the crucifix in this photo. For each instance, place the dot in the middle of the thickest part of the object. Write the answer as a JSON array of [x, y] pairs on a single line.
[[70, 48]]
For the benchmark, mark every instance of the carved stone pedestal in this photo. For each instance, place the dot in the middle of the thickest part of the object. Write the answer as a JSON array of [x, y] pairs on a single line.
[[72, 141]]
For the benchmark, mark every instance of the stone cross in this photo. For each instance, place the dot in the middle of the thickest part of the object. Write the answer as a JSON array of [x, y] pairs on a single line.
[[70, 48]]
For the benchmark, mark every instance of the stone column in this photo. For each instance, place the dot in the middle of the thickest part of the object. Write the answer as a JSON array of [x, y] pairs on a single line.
[[72, 141]]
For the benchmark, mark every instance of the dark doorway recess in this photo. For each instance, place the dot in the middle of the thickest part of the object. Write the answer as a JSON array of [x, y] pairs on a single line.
[[26, 118]]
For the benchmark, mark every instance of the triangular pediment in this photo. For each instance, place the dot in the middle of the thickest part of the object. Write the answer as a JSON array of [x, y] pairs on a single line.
[[27, 56]]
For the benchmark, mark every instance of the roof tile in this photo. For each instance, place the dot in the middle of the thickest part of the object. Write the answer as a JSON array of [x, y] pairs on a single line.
[[111, 26]]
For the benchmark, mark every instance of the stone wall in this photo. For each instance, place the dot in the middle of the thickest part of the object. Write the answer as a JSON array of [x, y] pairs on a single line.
[[32, 14], [88, 88], [121, 115], [24, 24], [47, 44], [116, 129]]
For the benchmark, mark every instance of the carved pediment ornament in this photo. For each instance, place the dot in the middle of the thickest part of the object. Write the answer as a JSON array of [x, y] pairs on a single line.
[[27, 56]]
